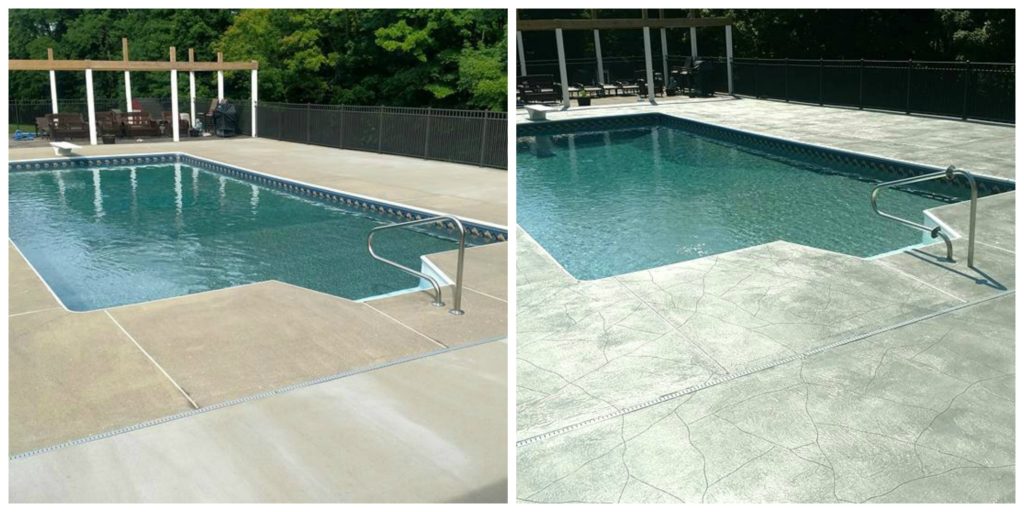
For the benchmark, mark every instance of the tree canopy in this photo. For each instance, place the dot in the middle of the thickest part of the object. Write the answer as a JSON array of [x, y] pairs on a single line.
[[899, 34], [444, 58]]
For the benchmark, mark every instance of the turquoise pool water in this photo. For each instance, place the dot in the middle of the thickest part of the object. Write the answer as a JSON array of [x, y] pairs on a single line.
[[104, 237], [605, 203]]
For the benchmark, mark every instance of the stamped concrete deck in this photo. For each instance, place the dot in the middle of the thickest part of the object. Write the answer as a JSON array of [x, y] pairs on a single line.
[[76, 377], [979, 147], [777, 373]]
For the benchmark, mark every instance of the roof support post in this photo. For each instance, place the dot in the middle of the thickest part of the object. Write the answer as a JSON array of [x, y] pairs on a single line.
[[91, 105], [600, 60], [127, 76], [650, 65], [53, 82], [693, 42], [191, 90], [664, 58], [220, 78], [522, 53], [174, 102], [254, 100], [563, 74], [728, 55]]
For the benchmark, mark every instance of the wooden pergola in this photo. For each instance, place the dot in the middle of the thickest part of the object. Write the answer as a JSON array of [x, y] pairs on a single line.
[[644, 23], [127, 66]]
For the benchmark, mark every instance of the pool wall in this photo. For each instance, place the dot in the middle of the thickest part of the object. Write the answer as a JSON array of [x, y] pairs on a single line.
[[809, 153], [485, 231]]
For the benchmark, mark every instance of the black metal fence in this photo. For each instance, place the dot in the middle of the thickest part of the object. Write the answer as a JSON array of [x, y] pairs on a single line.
[[475, 137], [967, 90], [464, 136]]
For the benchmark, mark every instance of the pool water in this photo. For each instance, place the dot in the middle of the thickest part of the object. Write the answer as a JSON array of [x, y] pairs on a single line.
[[604, 203], [103, 237]]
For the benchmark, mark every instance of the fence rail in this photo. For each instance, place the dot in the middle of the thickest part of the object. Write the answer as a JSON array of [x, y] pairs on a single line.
[[967, 90], [474, 137]]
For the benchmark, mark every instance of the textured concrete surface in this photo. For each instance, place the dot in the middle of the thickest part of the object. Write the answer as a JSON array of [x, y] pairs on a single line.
[[428, 430], [762, 375], [465, 190], [924, 413], [979, 147], [26, 292]]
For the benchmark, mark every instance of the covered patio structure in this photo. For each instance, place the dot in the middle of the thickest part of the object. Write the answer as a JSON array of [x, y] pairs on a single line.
[[645, 23], [128, 66]]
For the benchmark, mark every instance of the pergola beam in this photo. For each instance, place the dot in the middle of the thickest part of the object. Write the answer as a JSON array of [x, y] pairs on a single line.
[[620, 23], [120, 65]]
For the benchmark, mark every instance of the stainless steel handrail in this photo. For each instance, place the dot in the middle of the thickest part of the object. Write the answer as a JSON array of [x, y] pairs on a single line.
[[936, 232], [457, 293]]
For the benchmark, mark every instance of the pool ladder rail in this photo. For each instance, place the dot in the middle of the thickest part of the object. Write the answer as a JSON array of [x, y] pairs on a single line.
[[457, 293], [936, 232]]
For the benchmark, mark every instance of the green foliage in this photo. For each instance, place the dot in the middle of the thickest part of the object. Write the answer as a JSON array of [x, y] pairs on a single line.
[[445, 58]]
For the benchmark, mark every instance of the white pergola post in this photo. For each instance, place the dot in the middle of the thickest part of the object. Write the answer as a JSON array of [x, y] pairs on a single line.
[[563, 74], [522, 53], [600, 60], [254, 100], [175, 124], [191, 90], [128, 91], [650, 65], [728, 55], [53, 82], [664, 59], [91, 105], [693, 42], [220, 79], [127, 76]]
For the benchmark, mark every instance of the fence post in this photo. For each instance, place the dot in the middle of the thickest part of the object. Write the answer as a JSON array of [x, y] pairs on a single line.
[[341, 127], [785, 78], [910, 66], [280, 124], [757, 68], [17, 114], [483, 138], [380, 130], [821, 81], [860, 91], [308, 121], [426, 137], [967, 81]]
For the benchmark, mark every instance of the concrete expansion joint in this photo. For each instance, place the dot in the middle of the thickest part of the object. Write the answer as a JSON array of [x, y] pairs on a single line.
[[750, 371]]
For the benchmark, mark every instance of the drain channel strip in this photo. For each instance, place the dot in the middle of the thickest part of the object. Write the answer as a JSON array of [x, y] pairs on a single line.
[[726, 378]]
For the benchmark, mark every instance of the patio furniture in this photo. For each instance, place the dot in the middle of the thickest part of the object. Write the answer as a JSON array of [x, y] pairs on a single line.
[[108, 124], [64, 148], [135, 124], [42, 126], [537, 89], [168, 119], [69, 126]]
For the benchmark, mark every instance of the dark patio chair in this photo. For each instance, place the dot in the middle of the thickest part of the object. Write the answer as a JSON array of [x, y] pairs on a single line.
[[66, 126], [136, 124]]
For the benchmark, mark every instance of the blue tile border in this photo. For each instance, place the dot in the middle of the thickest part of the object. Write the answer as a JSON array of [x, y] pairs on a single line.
[[810, 153], [484, 233]]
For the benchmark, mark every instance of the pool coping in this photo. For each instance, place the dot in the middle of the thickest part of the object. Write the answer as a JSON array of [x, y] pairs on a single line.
[[488, 231]]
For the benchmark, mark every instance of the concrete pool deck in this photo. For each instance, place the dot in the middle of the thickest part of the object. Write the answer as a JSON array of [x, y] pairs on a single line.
[[90, 391], [777, 373], [983, 148]]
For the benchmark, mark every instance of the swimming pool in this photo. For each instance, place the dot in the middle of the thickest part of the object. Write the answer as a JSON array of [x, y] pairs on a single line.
[[108, 232], [608, 196]]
